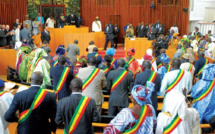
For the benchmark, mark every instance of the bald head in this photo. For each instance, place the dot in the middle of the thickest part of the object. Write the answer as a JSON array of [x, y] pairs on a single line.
[[92, 61], [37, 78], [176, 63], [146, 65], [62, 60], [121, 62], [76, 85], [201, 54]]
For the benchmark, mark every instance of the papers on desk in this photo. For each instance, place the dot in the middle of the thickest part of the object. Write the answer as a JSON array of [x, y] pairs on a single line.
[[9, 85], [132, 38]]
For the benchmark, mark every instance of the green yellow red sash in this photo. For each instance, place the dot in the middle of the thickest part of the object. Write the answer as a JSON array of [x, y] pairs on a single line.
[[62, 79], [55, 63], [153, 60], [36, 23], [159, 66], [62, 18], [173, 125], [129, 62], [96, 55], [206, 92], [176, 81], [76, 75], [190, 68], [168, 68], [79, 111], [98, 24], [207, 45], [201, 49], [35, 64], [152, 76], [197, 38], [90, 78], [200, 71], [37, 101], [182, 55], [119, 79], [111, 65], [143, 115], [1, 93]]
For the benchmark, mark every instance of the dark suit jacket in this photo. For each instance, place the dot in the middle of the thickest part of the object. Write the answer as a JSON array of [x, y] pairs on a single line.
[[25, 34], [15, 24], [111, 26], [38, 121], [151, 35], [45, 36], [55, 74], [199, 64], [142, 78], [61, 22], [79, 22], [9, 37], [119, 96], [116, 31], [3, 38], [66, 108], [70, 18], [109, 33], [137, 30], [142, 32], [161, 31]]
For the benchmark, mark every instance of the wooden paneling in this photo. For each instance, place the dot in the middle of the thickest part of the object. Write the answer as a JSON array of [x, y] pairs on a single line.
[[135, 11], [12, 9], [8, 57]]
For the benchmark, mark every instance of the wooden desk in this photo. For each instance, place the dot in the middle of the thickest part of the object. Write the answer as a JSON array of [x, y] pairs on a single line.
[[8, 57], [140, 44]]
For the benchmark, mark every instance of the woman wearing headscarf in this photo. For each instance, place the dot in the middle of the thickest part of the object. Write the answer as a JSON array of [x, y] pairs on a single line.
[[107, 66], [40, 64], [82, 62], [140, 118], [203, 93], [111, 52], [164, 67], [132, 64], [177, 118], [60, 51]]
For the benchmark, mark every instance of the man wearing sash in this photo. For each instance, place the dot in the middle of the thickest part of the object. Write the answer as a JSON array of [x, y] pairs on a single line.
[[164, 67], [177, 118], [77, 112], [200, 63], [37, 109], [139, 119], [119, 83], [97, 26], [203, 93], [95, 53], [35, 25], [148, 75], [62, 20], [61, 76], [93, 82], [179, 52], [176, 79]]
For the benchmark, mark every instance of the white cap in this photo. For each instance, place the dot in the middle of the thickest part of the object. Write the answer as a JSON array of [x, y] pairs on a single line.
[[149, 52]]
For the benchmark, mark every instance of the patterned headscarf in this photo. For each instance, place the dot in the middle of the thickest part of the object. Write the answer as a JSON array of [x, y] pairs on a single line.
[[111, 51], [82, 60], [164, 58], [60, 50], [131, 51], [141, 94]]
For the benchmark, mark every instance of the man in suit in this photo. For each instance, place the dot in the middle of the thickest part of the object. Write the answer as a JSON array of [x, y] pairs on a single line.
[[3, 37], [17, 23], [62, 20], [45, 35], [41, 119], [200, 63], [98, 57], [25, 34], [56, 73], [73, 50], [9, 37], [151, 32], [142, 78], [94, 88], [79, 21], [137, 29], [119, 95], [109, 36], [142, 31], [157, 25], [111, 25], [67, 107], [160, 30], [28, 22], [71, 19], [116, 33]]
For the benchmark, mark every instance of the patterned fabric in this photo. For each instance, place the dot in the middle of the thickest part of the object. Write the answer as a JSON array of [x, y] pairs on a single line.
[[162, 71]]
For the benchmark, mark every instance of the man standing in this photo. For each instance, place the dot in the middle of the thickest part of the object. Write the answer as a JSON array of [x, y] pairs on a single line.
[[111, 25], [40, 19], [125, 27], [160, 30], [174, 28], [151, 32], [151, 76], [200, 64], [142, 31], [179, 53], [37, 109], [17, 23], [71, 19], [119, 83], [50, 22], [137, 30], [68, 109], [93, 82], [196, 33], [97, 26], [45, 35], [25, 34], [28, 22], [3, 37], [36, 24], [79, 21], [9, 37], [61, 76], [109, 36], [95, 53], [62, 20], [116, 33], [72, 51]]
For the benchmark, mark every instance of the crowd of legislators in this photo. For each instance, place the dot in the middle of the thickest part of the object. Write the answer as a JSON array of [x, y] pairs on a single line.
[[78, 84]]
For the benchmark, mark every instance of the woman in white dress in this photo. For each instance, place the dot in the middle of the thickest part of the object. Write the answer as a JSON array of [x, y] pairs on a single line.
[[50, 22]]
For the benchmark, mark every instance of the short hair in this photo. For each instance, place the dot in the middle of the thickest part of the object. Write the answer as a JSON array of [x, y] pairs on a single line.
[[95, 49], [91, 43], [62, 60], [45, 42], [76, 84], [76, 41], [92, 60]]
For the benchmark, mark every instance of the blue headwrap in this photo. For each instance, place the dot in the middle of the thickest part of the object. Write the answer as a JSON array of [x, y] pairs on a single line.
[[1, 83], [208, 72], [164, 58], [60, 50], [141, 94], [111, 51]]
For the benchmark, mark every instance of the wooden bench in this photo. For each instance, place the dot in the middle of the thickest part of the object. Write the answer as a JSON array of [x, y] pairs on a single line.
[[7, 46]]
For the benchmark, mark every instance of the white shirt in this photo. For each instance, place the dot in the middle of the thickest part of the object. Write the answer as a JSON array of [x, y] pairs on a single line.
[[154, 64], [3, 123], [194, 45], [7, 98], [50, 23], [95, 27], [185, 67], [174, 29], [17, 35]]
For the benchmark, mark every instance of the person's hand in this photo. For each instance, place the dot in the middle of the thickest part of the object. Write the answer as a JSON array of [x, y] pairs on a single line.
[[185, 92]]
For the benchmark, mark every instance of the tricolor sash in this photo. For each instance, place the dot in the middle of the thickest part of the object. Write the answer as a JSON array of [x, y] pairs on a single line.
[[173, 125], [62, 18], [62, 80], [182, 55], [176, 81], [98, 24], [153, 60], [206, 92], [111, 65], [36, 63], [76, 75], [197, 38], [152, 77], [36, 23], [190, 68], [159, 66], [201, 49], [55, 63], [200, 71], [129, 62], [1, 93], [207, 45], [36, 102], [90, 78], [96, 55], [79, 111], [119, 79], [168, 68], [143, 115]]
